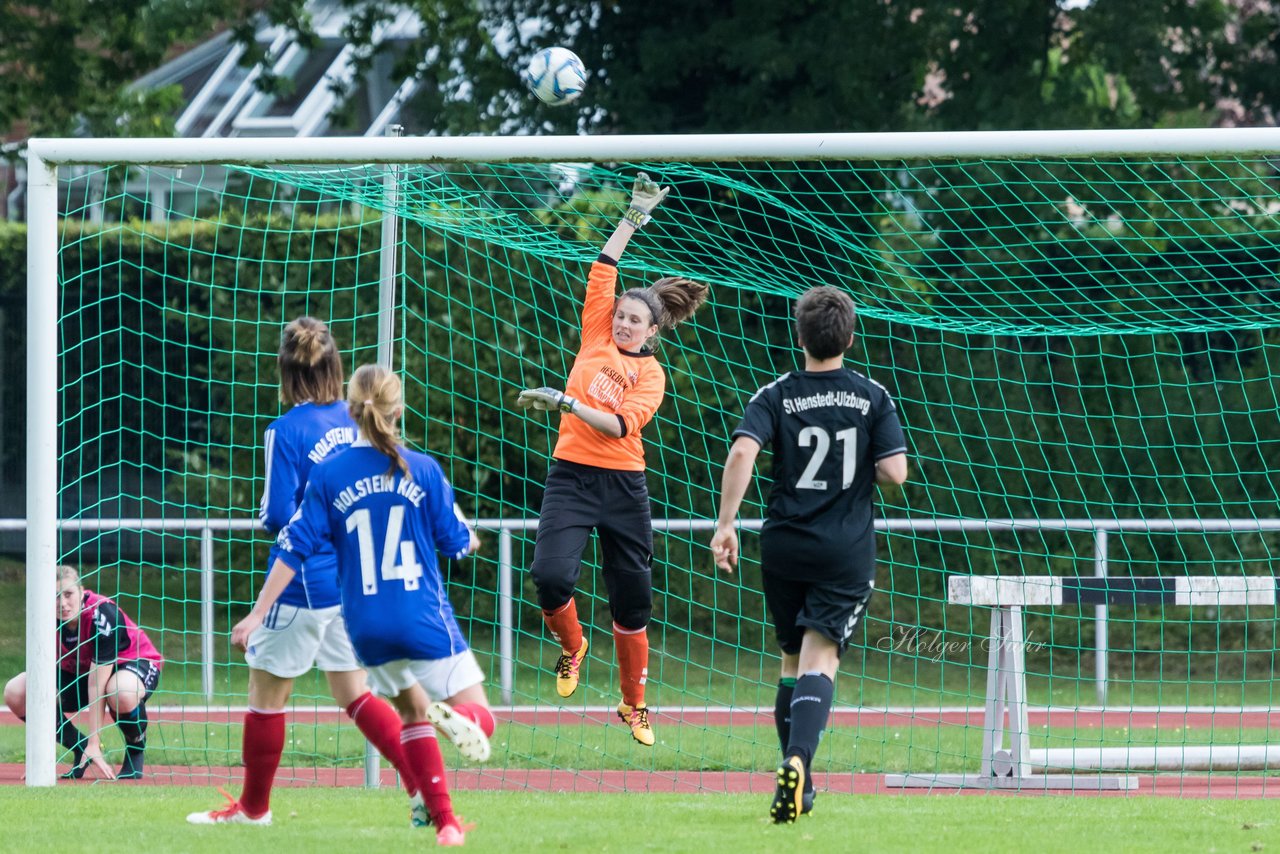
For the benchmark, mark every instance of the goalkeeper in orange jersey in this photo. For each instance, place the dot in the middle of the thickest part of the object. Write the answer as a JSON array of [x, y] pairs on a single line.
[[597, 480]]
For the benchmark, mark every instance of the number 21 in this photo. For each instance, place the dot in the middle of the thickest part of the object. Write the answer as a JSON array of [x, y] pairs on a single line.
[[821, 441]]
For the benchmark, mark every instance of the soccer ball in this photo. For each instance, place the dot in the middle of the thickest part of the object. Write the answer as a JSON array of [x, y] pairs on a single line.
[[556, 76]]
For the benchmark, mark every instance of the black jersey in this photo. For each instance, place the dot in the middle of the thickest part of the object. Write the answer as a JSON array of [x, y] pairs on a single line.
[[826, 430]]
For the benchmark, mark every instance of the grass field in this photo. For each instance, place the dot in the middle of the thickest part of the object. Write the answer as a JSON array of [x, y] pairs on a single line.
[[118, 818]]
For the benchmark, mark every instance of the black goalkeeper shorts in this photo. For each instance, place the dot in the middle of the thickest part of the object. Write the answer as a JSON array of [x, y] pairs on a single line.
[[580, 499]]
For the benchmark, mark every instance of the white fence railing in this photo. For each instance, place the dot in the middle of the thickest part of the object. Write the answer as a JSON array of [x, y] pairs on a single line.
[[507, 528]]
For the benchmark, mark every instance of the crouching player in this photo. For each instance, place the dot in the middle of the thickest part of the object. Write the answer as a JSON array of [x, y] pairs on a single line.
[[104, 662], [387, 510]]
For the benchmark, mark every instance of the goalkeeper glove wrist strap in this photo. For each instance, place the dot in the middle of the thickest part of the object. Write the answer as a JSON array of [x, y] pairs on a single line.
[[568, 404], [636, 217]]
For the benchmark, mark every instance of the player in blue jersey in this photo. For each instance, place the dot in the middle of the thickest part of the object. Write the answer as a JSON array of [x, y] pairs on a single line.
[[302, 627], [386, 511], [835, 436]]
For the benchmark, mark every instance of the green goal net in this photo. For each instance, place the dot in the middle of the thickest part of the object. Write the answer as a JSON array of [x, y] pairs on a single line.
[[1083, 351]]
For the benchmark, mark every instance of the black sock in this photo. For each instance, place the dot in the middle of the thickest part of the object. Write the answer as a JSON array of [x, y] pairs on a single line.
[[782, 711], [133, 725], [69, 737], [782, 719], [810, 709]]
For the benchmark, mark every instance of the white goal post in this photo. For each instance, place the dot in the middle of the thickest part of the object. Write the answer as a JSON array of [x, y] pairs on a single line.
[[46, 156]]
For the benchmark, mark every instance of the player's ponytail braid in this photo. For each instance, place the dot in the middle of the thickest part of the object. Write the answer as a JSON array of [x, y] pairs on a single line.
[[375, 400], [310, 368], [679, 298]]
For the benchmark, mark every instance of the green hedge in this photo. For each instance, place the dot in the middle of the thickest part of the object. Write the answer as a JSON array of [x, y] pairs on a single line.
[[167, 342]]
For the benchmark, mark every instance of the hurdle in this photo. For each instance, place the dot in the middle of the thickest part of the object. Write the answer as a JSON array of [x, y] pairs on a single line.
[[1008, 762]]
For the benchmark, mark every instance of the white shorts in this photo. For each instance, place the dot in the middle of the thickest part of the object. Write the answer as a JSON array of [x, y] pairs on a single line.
[[441, 678], [292, 640]]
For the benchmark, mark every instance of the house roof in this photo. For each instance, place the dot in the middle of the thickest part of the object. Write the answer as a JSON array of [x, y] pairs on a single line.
[[222, 99]]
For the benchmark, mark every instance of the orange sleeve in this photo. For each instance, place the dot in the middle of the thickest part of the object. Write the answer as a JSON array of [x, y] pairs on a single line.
[[643, 399], [597, 306]]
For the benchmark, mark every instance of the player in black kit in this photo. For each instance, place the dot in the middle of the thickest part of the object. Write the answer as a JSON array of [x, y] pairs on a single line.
[[834, 435]]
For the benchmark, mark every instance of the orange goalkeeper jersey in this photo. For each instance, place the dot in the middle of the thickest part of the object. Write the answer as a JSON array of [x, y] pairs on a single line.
[[630, 385]]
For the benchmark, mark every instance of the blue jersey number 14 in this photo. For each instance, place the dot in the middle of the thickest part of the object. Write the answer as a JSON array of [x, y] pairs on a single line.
[[399, 559]]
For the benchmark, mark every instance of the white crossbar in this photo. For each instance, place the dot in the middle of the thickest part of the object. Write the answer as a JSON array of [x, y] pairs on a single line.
[[1048, 591], [1192, 757], [994, 590]]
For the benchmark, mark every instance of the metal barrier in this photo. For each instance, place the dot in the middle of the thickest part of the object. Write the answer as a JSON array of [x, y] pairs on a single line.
[[1008, 760], [506, 529]]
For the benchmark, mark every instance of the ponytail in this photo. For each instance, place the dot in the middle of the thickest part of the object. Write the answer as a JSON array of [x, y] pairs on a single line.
[[671, 300], [680, 298], [310, 368], [375, 400]]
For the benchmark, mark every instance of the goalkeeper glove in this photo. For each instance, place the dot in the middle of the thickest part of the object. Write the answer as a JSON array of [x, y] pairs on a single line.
[[645, 196], [546, 399]]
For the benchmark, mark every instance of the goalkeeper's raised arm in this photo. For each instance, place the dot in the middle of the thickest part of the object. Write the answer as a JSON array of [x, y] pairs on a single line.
[[597, 480]]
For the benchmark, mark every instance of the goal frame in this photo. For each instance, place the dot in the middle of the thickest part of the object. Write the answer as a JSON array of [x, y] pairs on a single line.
[[46, 156]]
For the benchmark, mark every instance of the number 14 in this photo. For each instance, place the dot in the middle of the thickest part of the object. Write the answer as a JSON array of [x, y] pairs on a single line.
[[399, 559]]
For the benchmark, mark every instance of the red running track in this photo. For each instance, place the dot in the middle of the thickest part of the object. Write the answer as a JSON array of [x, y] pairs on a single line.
[[685, 782], [846, 716]]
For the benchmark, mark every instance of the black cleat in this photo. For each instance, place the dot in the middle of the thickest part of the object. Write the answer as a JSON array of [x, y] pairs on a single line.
[[806, 801], [75, 772], [788, 798], [78, 766], [132, 767]]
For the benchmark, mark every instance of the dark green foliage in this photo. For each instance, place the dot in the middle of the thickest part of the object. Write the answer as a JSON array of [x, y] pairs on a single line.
[[69, 63], [670, 66], [168, 340]]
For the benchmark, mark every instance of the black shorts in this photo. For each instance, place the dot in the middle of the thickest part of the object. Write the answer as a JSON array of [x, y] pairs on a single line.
[[831, 608], [73, 689], [580, 499]]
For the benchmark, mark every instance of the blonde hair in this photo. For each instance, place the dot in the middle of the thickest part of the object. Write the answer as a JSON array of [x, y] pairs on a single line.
[[310, 368], [69, 573], [375, 398]]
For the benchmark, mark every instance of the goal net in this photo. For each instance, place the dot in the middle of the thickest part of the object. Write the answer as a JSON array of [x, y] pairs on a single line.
[[1082, 348]]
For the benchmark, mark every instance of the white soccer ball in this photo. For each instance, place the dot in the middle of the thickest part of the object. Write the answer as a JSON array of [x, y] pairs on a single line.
[[556, 76]]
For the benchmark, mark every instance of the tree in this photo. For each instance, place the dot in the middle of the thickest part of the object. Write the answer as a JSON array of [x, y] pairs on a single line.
[[668, 66], [1010, 64], [67, 64]]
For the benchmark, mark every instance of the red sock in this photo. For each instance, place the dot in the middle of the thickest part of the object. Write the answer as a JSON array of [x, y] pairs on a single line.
[[423, 759], [632, 648], [564, 626], [479, 714], [381, 725], [263, 744]]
